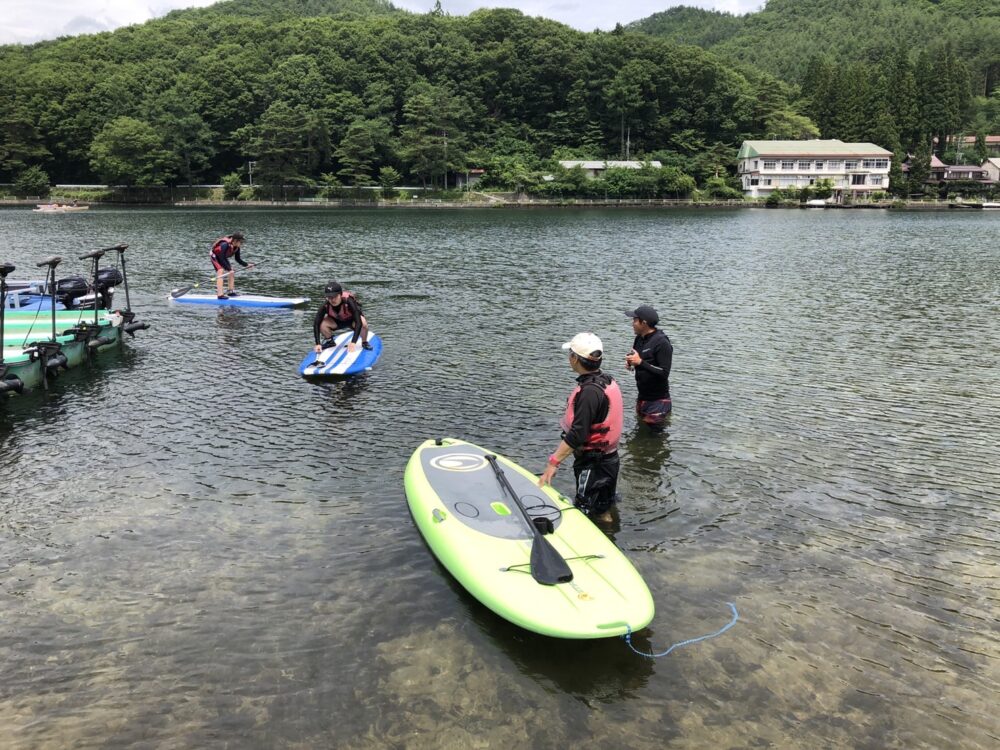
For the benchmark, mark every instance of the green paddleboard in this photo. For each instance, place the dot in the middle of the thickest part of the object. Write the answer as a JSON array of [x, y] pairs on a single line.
[[478, 533]]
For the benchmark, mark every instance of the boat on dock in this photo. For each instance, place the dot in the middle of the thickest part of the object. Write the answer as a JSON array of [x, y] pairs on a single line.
[[39, 342]]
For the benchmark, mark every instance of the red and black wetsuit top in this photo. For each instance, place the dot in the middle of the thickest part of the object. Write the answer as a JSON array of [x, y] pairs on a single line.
[[223, 250], [346, 315], [594, 415]]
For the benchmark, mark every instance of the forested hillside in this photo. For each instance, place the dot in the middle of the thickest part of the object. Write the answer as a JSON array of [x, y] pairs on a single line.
[[200, 93], [904, 74], [786, 34], [351, 92]]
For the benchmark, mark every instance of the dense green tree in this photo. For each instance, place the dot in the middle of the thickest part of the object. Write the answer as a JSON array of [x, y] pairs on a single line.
[[21, 144], [232, 185], [388, 178], [920, 167], [431, 139], [288, 144], [128, 151], [356, 152], [32, 181]]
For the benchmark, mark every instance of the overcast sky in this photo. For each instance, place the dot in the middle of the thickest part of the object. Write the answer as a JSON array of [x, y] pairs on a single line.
[[34, 20]]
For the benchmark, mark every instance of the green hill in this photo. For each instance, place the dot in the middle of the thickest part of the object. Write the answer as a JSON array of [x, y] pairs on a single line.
[[313, 96], [289, 9], [783, 37]]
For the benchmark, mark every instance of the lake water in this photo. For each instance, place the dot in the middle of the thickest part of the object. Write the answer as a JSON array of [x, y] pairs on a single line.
[[199, 549]]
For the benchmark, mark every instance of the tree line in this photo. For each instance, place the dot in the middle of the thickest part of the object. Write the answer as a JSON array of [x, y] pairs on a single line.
[[321, 100], [332, 93]]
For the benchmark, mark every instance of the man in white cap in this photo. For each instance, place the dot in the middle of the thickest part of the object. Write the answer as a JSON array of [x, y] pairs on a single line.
[[591, 429]]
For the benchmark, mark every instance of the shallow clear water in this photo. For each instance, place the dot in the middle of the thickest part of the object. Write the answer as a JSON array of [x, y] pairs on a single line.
[[199, 549]]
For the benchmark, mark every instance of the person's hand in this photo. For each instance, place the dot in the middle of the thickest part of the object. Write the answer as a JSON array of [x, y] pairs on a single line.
[[318, 348], [632, 359], [352, 347], [548, 475]]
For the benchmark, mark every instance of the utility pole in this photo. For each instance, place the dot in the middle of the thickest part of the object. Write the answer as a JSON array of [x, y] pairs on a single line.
[[250, 166]]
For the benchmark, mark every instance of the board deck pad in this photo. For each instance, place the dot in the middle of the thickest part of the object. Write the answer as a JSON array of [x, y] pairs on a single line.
[[466, 484], [337, 361]]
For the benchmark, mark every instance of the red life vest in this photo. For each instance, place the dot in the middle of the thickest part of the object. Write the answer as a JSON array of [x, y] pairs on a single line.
[[341, 313], [217, 247], [604, 436]]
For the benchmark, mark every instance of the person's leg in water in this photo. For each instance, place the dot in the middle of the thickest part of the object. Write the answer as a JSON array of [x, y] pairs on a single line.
[[654, 414], [596, 485]]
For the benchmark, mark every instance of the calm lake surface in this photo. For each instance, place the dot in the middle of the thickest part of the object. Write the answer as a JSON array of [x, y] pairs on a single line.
[[199, 549]]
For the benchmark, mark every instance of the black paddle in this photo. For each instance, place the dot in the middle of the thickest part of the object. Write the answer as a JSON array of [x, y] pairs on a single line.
[[547, 565], [181, 291]]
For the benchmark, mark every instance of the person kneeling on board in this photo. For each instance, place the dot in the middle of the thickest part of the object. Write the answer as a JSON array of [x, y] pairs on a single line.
[[339, 312], [592, 427], [225, 248]]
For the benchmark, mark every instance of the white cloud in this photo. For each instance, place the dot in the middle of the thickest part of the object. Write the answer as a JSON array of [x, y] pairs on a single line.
[[28, 21]]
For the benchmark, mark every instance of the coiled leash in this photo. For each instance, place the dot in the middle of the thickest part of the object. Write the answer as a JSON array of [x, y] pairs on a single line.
[[628, 637]]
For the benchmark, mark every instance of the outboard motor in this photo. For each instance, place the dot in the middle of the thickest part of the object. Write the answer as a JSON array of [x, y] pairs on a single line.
[[109, 277], [107, 280], [68, 290]]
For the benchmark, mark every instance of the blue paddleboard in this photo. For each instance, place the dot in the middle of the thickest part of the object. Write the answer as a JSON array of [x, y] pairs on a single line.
[[335, 361], [243, 300]]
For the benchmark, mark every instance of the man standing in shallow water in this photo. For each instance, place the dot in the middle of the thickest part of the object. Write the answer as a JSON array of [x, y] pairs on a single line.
[[592, 427], [650, 358]]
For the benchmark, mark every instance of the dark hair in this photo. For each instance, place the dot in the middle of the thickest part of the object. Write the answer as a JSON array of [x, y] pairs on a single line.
[[237, 236], [588, 364]]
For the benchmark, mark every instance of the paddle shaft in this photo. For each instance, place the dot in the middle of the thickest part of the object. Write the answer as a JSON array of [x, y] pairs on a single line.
[[547, 565]]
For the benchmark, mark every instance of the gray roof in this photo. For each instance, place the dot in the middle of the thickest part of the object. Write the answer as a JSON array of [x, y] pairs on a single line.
[[608, 164], [811, 148]]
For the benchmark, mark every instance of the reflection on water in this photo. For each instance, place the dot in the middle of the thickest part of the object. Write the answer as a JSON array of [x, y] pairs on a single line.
[[198, 548]]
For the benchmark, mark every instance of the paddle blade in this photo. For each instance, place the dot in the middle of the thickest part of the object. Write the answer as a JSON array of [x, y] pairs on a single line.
[[547, 565], [181, 291]]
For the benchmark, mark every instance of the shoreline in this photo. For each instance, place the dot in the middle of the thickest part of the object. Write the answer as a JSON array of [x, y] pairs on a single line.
[[502, 203]]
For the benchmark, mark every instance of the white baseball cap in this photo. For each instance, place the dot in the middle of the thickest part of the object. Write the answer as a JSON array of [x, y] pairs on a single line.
[[586, 346]]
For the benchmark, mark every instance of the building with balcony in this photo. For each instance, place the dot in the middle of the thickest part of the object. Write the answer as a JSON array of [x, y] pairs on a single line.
[[854, 169]]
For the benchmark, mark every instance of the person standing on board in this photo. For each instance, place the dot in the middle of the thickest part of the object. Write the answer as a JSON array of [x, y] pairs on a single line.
[[591, 429], [225, 248], [340, 311], [650, 358]]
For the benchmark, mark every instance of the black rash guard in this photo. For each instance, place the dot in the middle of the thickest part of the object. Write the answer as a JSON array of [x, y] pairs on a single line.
[[591, 406], [352, 305], [652, 375]]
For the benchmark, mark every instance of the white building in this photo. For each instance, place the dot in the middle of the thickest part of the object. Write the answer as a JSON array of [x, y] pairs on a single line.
[[595, 169], [992, 168], [855, 169]]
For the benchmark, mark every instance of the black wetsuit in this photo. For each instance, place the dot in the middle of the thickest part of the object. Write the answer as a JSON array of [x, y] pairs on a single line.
[[652, 375], [355, 309]]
